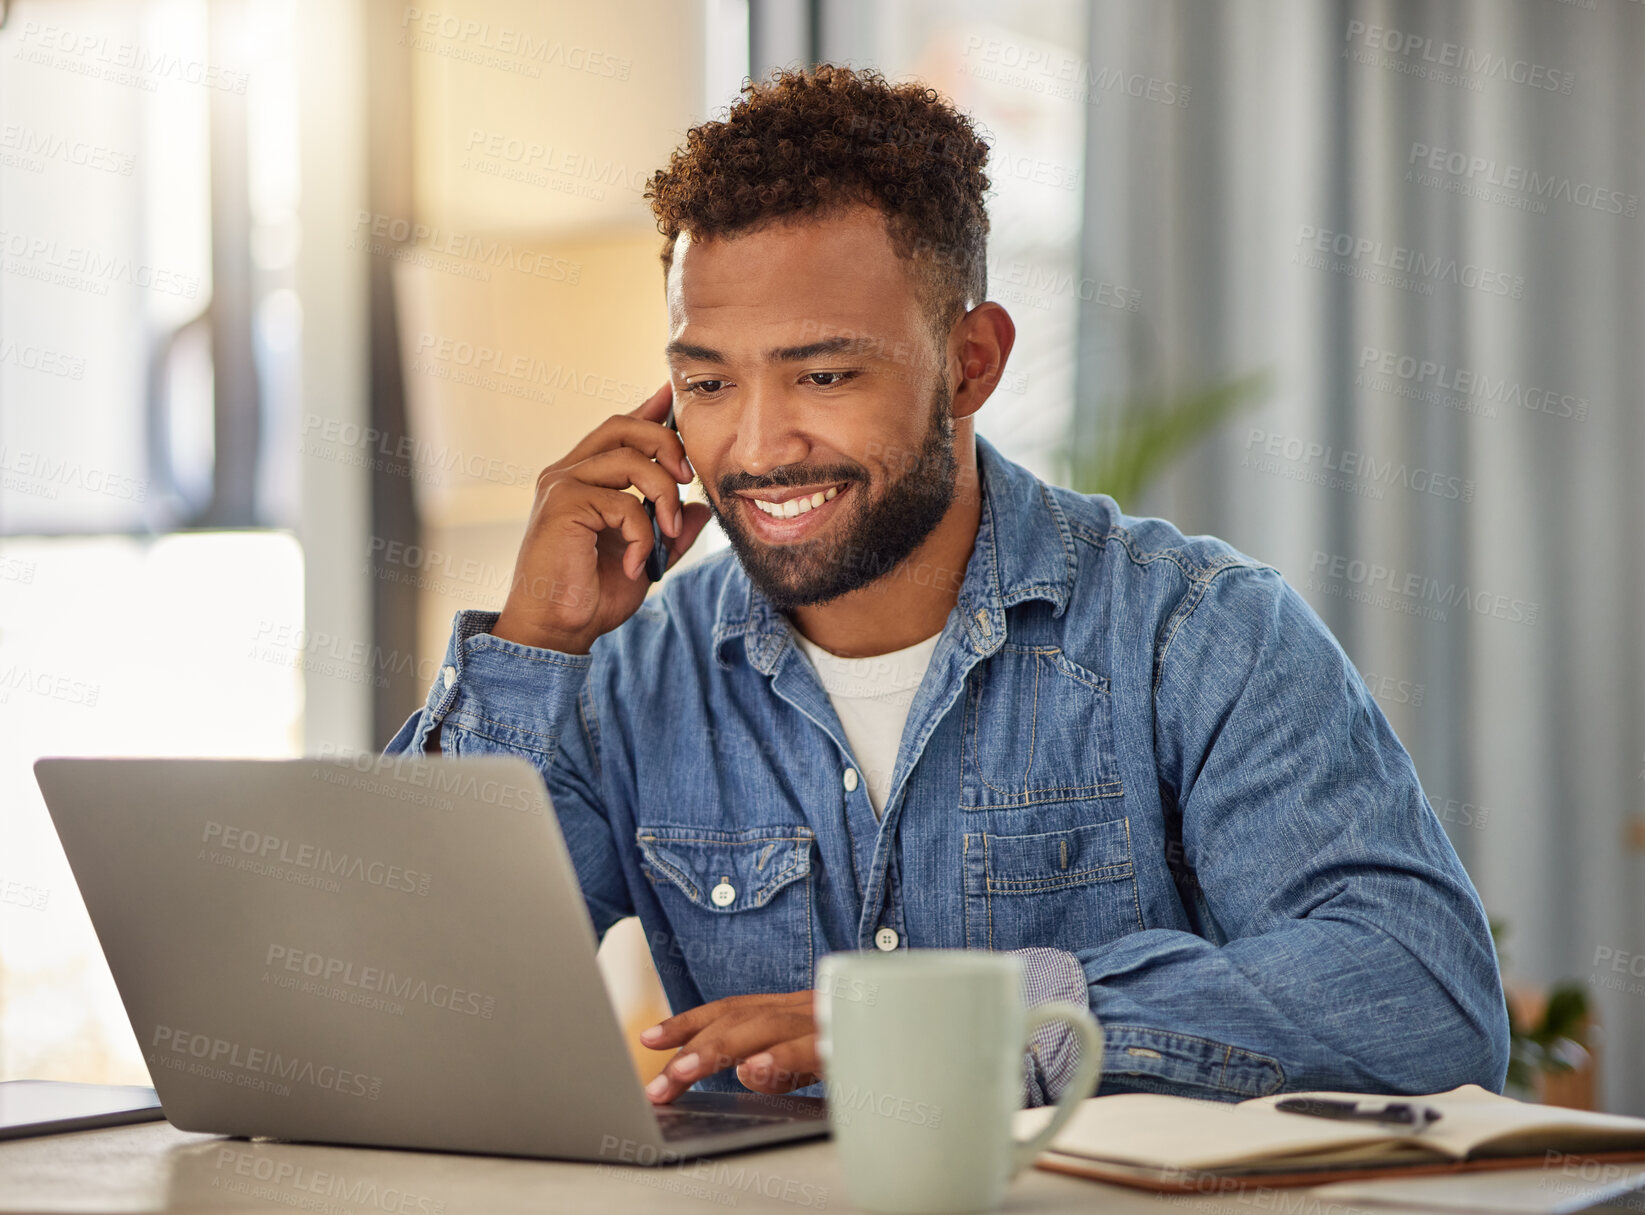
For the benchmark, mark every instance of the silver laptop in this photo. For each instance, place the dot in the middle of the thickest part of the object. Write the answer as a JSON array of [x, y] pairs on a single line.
[[385, 952]]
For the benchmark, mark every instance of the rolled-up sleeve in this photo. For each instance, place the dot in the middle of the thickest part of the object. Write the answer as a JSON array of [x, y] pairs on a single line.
[[1344, 946], [1053, 1054], [493, 696]]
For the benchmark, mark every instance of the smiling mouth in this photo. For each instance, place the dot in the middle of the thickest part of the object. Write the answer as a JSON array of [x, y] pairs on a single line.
[[794, 514], [790, 508]]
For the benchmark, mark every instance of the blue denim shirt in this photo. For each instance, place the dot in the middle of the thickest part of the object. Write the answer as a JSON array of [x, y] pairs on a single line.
[[1139, 749]]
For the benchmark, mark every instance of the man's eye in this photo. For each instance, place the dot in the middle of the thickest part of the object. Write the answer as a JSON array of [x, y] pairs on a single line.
[[840, 377], [698, 389]]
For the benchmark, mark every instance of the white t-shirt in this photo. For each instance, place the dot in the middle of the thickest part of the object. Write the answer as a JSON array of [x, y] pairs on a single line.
[[872, 697]]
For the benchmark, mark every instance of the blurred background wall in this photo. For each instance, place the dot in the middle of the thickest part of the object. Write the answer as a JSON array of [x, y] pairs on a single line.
[[298, 296]]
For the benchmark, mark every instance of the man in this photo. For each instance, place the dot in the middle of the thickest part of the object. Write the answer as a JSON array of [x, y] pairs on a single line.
[[928, 700]]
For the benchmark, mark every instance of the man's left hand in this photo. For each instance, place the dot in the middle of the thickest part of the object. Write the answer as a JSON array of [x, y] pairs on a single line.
[[771, 1038]]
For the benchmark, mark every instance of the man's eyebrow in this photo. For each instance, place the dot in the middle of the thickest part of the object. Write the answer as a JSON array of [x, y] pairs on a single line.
[[678, 349]]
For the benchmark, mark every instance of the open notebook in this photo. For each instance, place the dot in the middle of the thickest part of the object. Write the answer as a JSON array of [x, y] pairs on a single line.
[[1176, 1143]]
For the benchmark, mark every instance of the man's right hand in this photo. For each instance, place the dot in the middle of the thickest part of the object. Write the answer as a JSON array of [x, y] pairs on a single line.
[[581, 567]]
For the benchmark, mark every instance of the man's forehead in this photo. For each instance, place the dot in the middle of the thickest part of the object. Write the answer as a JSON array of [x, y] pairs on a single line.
[[841, 257], [788, 286]]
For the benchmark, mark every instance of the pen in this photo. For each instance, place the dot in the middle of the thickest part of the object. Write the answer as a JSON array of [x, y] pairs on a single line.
[[1400, 1113]]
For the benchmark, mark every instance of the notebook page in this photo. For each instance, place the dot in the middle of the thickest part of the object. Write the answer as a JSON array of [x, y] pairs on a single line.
[[1479, 1122], [1181, 1133]]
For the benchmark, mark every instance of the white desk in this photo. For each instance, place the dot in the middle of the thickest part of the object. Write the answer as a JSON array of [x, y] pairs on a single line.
[[154, 1167]]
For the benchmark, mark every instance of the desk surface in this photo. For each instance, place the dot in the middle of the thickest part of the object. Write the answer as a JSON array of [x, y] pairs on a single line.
[[155, 1167]]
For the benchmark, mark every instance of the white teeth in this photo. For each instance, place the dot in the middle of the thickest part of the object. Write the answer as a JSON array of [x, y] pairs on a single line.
[[797, 506]]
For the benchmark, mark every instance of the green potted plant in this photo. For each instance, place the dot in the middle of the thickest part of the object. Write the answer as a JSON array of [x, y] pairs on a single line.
[[1548, 1051], [1135, 441]]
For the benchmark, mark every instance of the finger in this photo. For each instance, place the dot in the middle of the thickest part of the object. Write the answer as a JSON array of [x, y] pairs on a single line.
[[655, 407], [647, 436], [599, 508], [730, 1040], [623, 466], [784, 1068], [683, 1026]]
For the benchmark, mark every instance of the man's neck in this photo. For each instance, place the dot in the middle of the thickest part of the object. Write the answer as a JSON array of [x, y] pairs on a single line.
[[913, 599]]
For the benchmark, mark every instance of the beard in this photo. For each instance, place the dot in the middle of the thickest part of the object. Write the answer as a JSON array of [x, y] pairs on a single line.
[[872, 534]]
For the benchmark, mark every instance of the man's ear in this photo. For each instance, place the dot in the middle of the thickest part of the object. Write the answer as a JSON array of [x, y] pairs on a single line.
[[981, 343]]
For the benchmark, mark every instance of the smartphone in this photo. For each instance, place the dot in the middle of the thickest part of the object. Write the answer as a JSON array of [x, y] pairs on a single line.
[[657, 562]]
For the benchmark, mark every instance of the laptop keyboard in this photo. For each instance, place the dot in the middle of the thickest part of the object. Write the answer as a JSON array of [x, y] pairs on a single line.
[[687, 1124]]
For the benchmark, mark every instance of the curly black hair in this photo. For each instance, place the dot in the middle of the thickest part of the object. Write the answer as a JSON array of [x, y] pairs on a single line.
[[812, 143]]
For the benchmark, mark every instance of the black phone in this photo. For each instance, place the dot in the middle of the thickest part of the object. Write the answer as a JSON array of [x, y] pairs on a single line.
[[657, 562]]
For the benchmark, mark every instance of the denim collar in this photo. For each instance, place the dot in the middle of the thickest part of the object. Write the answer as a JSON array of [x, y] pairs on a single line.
[[1023, 550]]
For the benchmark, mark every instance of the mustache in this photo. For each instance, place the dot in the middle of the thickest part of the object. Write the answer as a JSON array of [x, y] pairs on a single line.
[[733, 483]]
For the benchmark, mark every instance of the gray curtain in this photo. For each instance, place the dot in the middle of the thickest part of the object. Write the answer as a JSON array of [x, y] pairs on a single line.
[[1438, 256]]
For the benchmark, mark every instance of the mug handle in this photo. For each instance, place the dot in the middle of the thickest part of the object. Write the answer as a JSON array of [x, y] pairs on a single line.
[[1079, 1088]]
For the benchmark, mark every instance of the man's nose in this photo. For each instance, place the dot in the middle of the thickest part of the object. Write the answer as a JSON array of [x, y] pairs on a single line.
[[767, 436]]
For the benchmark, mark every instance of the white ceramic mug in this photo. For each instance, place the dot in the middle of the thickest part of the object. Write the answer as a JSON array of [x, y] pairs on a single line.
[[922, 1051]]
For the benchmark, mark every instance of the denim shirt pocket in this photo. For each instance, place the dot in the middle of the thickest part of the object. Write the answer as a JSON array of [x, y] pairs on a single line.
[[1069, 889], [1039, 728], [738, 904]]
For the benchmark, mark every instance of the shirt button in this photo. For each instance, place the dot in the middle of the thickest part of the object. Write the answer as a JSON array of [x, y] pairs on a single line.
[[723, 895], [850, 779], [886, 939], [448, 675]]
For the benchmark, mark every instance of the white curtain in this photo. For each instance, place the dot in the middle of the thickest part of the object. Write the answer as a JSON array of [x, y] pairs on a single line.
[[1423, 219]]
